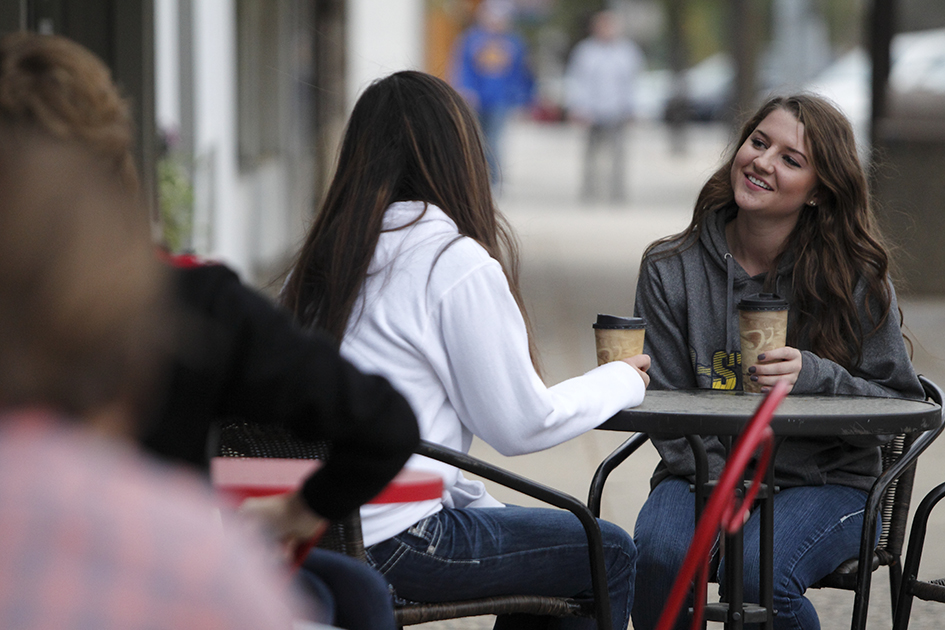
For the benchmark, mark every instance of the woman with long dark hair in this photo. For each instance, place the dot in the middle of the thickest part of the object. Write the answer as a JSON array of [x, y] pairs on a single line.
[[789, 213], [414, 271]]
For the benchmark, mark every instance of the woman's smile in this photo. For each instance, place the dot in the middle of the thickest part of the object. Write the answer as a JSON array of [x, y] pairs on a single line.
[[758, 182]]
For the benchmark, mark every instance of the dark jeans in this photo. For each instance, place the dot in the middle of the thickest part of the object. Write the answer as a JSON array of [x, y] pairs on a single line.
[[461, 554], [815, 529], [352, 595]]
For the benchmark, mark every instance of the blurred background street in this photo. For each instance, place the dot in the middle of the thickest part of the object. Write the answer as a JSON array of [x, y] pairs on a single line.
[[239, 106]]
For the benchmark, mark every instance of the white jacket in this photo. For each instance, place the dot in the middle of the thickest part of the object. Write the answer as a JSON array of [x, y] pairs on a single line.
[[436, 317]]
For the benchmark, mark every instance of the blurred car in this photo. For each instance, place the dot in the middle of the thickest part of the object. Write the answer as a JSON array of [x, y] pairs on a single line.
[[916, 82], [653, 90], [708, 90], [917, 77], [846, 82], [916, 86]]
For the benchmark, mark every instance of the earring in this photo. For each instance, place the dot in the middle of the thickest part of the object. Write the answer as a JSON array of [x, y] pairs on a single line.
[[812, 203]]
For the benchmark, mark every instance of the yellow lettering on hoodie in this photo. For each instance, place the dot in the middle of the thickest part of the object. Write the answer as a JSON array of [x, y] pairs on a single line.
[[725, 369]]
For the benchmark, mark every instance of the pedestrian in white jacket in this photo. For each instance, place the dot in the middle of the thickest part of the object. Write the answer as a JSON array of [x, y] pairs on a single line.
[[413, 269], [601, 81]]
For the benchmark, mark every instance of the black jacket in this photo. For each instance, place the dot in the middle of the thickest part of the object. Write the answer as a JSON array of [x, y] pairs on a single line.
[[241, 357]]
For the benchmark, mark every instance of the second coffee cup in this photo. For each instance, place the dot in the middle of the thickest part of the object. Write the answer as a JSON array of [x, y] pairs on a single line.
[[618, 337], [762, 324]]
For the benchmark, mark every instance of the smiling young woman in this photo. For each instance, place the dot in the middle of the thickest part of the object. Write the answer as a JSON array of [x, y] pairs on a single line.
[[788, 213]]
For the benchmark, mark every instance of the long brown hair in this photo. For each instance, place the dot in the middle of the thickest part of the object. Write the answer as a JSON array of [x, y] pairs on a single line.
[[834, 245], [411, 137]]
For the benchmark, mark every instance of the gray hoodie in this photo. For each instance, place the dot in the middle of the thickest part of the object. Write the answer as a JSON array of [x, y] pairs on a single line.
[[688, 300]]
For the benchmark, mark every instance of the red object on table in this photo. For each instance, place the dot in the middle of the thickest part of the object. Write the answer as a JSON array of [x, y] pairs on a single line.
[[240, 478]]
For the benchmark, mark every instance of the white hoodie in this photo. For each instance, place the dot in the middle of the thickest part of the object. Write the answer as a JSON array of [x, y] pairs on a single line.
[[436, 317]]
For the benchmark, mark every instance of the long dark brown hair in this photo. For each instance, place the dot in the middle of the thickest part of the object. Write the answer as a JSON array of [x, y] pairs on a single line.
[[834, 245], [411, 137]]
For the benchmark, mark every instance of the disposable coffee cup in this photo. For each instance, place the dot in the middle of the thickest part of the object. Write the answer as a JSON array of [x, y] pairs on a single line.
[[618, 337], [762, 325]]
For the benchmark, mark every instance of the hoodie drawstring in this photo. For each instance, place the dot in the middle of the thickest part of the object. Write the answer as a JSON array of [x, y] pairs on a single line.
[[729, 300]]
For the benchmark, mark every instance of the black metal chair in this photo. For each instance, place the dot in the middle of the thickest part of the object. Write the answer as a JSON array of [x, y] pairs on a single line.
[[249, 440], [891, 496]]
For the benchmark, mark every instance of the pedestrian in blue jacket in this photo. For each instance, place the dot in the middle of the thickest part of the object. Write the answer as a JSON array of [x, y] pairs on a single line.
[[490, 70]]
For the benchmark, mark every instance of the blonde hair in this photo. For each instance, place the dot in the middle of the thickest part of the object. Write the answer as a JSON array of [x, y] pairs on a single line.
[[56, 86], [83, 315]]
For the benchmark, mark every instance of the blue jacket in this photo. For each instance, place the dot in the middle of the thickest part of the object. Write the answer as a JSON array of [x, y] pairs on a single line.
[[493, 68]]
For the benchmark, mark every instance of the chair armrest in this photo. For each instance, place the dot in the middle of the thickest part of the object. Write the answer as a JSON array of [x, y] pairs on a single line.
[[896, 470], [875, 498], [905, 461], [548, 495], [610, 463]]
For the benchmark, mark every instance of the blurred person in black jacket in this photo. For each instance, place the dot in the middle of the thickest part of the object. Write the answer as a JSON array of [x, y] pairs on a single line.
[[240, 357]]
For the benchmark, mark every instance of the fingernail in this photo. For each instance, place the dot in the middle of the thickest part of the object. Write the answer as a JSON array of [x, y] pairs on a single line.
[[751, 370], [754, 378], [765, 390], [761, 357]]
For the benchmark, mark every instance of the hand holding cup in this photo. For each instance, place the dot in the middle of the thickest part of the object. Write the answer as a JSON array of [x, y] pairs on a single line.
[[618, 337], [621, 339], [762, 323], [640, 363]]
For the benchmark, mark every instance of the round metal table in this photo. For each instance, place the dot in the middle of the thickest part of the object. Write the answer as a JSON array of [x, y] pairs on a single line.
[[706, 412], [719, 412]]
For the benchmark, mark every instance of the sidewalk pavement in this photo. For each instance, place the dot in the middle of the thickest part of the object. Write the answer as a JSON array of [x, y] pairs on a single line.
[[579, 260]]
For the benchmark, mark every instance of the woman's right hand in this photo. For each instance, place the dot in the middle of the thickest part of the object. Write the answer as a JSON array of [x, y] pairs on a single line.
[[641, 363], [286, 519]]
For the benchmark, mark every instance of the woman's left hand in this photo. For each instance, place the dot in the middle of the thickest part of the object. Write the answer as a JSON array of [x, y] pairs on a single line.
[[781, 364]]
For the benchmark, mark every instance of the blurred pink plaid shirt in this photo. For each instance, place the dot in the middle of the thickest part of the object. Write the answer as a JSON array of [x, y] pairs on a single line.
[[94, 537]]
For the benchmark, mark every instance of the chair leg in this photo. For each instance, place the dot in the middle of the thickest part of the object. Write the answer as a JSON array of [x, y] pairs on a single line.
[[910, 569], [864, 572], [895, 584]]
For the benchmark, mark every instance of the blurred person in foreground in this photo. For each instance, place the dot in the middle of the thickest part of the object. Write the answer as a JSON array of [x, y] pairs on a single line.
[[232, 353], [601, 82], [94, 535], [490, 69]]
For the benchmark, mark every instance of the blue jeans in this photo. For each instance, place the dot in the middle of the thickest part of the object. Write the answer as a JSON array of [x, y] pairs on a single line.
[[351, 594], [492, 119], [815, 529], [459, 554]]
